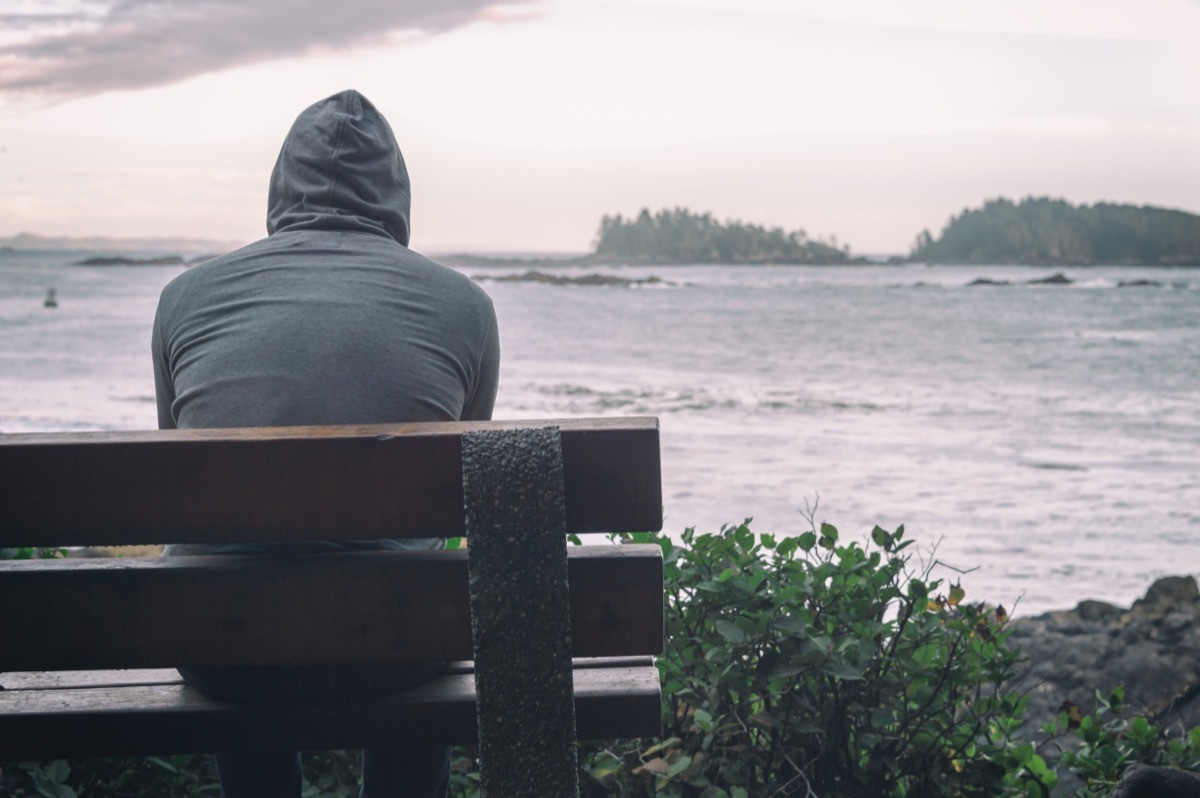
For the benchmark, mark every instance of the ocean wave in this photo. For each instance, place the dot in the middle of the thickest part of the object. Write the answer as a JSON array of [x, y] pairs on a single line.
[[576, 398], [1061, 279]]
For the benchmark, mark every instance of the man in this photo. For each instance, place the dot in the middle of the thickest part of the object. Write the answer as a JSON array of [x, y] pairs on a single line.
[[331, 319]]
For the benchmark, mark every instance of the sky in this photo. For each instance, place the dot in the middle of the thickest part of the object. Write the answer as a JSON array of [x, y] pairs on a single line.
[[523, 124]]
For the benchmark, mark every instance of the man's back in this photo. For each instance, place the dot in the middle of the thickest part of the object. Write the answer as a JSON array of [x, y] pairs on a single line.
[[323, 327]]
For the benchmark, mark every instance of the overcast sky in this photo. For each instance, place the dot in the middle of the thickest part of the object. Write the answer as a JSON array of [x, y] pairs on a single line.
[[523, 124]]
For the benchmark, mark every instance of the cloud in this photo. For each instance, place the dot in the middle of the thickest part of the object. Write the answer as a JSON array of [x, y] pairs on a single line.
[[72, 48]]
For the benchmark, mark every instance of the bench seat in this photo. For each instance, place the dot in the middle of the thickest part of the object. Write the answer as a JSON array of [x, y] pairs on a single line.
[[65, 714]]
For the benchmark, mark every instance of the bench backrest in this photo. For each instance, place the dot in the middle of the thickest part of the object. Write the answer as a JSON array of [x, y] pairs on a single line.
[[272, 484], [299, 483]]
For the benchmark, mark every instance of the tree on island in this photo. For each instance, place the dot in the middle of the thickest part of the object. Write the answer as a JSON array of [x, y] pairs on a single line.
[[680, 236], [1043, 231]]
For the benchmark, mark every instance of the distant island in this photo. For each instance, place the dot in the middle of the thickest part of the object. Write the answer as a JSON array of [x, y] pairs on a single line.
[[1037, 231], [1041, 231], [30, 242], [118, 260], [680, 236]]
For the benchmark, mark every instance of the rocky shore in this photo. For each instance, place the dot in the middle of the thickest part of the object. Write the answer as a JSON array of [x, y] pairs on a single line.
[[1151, 648], [586, 279]]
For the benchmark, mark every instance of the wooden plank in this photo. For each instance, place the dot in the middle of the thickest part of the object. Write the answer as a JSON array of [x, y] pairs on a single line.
[[621, 701], [64, 680], [298, 483], [326, 609], [128, 677]]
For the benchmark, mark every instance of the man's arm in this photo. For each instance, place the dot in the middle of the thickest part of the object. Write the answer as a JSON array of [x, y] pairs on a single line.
[[480, 404], [164, 386]]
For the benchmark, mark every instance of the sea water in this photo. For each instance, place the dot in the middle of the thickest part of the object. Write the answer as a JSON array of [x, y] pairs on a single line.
[[1042, 438]]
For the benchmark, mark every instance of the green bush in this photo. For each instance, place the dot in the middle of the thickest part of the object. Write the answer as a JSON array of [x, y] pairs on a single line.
[[32, 553], [811, 666], [1110, 740]]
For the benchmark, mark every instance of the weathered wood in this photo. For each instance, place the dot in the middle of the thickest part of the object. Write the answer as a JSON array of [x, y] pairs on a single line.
[[327, 609], [273, 484], [128, 677], [610, 702]]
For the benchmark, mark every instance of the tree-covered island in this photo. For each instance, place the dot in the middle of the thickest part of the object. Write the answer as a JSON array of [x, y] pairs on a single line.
[[1036, 231], [680, 236], [1041, 231]]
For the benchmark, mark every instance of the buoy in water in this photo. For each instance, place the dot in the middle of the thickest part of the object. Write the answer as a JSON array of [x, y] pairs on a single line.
[[51, 301]]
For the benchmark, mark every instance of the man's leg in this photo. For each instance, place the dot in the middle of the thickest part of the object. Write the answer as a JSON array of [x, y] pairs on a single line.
[[273, 774], [421, 771]]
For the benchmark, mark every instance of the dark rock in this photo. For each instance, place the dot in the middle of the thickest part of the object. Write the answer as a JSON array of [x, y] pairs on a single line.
[[1166, 593], [987, 281], [1145, 781], [1092, 610], [1054, 279], [1139, 284], [534, 276], [105, 260], [1152, 650]]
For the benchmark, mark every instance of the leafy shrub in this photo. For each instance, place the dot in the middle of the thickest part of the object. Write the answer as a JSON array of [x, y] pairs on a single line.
[[182, 776], [1109, 741], [808, 666], [32, 553]]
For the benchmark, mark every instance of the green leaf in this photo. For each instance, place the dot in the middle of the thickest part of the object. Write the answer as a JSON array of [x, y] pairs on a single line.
[[57, 771], [792, 624], [787, 548], [730, 631], [162, 763], [662, 745], [784, 670], [678, 766], [842, 670]]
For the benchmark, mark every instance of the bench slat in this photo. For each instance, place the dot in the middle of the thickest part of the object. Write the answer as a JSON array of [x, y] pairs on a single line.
[[317, 609], [273, 484], [618, 701], [61, 680]]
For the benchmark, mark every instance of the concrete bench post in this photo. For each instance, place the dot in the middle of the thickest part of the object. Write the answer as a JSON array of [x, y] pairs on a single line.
[[520, 612]]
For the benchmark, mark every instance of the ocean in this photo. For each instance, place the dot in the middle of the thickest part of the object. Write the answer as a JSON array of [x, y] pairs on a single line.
[[1040, 441]]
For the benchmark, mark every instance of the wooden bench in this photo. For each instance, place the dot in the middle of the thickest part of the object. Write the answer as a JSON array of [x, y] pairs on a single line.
[[87, 646]]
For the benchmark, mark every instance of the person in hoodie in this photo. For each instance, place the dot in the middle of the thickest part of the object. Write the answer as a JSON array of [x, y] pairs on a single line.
[[330, 319]]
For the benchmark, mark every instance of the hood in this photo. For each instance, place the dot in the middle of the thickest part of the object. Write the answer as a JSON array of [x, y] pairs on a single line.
[[340, 169]]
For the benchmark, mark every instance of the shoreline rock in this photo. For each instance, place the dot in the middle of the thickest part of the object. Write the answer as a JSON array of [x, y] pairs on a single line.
[[534, 276], [118, 260], [1152, 649]]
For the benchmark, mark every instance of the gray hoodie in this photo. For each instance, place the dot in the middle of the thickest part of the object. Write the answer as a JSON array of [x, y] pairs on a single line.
[[331, 319]]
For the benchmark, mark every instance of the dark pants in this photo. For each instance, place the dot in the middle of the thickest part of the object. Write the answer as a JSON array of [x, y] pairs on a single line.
[[416, 771]]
